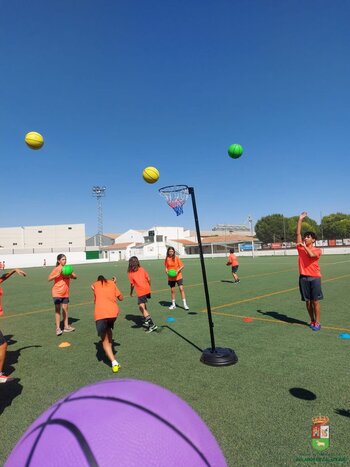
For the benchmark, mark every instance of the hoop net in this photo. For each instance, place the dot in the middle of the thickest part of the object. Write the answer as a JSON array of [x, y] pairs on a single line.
[[175, 196]]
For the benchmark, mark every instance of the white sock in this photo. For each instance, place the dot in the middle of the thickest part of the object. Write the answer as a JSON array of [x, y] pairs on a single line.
[[184, 302], [115, 363], [173, 302]]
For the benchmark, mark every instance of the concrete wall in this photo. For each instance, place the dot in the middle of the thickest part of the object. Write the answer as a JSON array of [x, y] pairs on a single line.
[[41, 237], [37, 259]]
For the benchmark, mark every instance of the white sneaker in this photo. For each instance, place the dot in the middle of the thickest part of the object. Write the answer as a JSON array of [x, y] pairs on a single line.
[[186, 307], [172, 307], [5, 379]]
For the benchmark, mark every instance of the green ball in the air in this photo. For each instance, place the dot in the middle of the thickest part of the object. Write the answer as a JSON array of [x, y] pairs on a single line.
[[235, 151]]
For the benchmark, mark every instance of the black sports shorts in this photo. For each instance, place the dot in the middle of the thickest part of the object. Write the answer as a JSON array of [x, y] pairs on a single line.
[[310, 288]]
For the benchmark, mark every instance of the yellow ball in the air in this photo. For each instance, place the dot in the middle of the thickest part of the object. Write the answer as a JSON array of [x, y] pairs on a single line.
[[150, 174], [34, 140]]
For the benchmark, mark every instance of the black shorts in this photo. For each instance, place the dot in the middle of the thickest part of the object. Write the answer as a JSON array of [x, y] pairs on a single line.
[[234, 268], [102, 325], [143, 298], [2, 338], [173, 283], [60, 300], [310, 288]]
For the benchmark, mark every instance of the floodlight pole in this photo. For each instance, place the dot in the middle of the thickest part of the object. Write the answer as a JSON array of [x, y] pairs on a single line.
[[214, 356], [98, 192], [250, 220]]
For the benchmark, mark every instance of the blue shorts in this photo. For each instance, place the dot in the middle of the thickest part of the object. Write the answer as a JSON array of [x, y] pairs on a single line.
[[102, 325], [234, 268], [60, 300], [2, 338], [173, 283], [310, 288], [143, 298]]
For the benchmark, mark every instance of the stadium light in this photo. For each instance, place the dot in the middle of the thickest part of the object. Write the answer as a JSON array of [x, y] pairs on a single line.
[[98, 192]]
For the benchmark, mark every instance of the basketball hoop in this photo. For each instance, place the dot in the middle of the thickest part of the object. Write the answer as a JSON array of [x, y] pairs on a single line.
[[175, 196]]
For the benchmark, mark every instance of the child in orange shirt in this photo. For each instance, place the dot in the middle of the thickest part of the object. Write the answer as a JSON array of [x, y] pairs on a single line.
[[309, 273], [106, 294], [3, 278], [174, 262], [3, 343], [140, 280], [60, 294], [233, 262]]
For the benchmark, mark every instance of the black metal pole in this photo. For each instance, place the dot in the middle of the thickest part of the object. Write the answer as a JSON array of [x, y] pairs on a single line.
[[204, 274]]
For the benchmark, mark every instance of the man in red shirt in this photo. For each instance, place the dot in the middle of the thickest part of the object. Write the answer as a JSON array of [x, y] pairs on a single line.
[[309, 273]]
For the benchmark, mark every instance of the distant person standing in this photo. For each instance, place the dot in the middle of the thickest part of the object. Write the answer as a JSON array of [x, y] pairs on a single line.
[[106, 294], [44, 264], [174, 262], [3, 265], [140, 280], [309, 273], [233, 262], [60, 294]]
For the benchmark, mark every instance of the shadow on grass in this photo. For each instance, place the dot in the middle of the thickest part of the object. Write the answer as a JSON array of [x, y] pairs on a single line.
[[100, 353], [12, 356], [342, 412], [136, 319], [301, 393], [164, 303], [10, 390], [183, 337], [284, 318], [230, 282]]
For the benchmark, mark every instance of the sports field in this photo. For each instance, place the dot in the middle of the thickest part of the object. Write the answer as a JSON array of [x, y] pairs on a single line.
[[260, 409]]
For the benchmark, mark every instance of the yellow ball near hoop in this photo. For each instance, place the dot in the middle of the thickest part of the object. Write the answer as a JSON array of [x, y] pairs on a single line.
[[150, 175], [34, 140]]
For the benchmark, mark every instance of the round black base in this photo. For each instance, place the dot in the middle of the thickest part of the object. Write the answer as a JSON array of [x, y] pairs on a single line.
[[219, 357]]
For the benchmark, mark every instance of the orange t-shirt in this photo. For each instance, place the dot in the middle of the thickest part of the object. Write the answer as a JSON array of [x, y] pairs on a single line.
[[232, 259], [140, 280], [309, 266], [173, 262], [61, 284], [105, 298]]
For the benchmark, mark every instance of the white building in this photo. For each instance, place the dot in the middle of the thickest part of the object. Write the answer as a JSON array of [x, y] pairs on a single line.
[[30, 246]]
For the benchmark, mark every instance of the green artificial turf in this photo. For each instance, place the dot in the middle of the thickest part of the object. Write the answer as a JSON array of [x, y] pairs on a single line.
[[260, 409]]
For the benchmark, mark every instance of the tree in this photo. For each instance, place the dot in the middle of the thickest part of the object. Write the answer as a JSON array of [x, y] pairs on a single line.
[[308, 225], [270, 228], [336, 226], [278, 228]]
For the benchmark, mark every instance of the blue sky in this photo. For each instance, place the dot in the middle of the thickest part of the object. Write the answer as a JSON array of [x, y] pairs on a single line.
[[115, 86]]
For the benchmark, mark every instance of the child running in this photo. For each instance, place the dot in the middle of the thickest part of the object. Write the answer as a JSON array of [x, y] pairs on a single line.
[[174, 262], [140, 280], [106, 294], [60, 294], [3, 343], [233, 262], [310, 274]]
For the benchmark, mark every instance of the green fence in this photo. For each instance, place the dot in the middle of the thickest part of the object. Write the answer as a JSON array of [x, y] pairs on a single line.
[[92, 254]]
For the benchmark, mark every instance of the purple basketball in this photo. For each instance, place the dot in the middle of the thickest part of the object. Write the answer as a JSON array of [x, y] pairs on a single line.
[[120, 422]]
